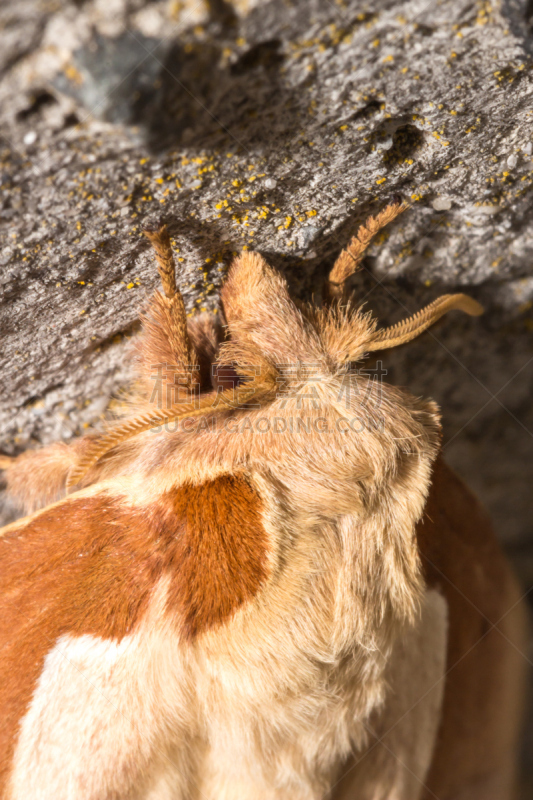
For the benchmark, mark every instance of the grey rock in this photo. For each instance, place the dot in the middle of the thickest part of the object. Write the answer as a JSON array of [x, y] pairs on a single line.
[[442, 204], [117, 78]]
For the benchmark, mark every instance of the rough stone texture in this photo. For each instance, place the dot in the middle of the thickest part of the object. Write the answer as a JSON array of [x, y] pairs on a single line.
[[277, 125]]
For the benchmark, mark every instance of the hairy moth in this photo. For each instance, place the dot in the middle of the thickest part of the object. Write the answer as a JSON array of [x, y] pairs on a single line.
[[263, 582]]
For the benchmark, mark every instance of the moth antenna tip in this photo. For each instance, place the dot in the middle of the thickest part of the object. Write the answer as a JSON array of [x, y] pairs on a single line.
[[154, 226]]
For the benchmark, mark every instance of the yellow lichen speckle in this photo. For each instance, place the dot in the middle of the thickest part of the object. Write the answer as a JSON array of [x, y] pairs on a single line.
[[73, 74], [381, 180]]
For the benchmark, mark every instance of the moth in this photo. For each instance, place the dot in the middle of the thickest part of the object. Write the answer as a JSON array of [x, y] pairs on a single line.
[[263, 582]]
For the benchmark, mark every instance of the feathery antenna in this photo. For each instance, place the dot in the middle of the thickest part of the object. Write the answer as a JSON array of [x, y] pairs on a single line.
[[172, 303], [350, 258], [413, 326], [160, 241], [145, 422]]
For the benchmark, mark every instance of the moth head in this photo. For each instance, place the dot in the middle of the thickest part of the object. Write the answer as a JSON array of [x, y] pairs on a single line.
[[268, 331], [265, 323]]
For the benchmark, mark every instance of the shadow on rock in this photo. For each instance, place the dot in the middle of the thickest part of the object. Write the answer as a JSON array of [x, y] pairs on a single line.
[[185, 92]]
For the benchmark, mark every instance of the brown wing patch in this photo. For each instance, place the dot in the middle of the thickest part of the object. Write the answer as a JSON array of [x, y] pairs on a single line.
[[462, 559], [223, 555], [89, 566], [84, 566]]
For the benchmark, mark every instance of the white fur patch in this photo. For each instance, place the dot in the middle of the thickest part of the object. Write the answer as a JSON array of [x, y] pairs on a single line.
[[98, 724], [123, 720]]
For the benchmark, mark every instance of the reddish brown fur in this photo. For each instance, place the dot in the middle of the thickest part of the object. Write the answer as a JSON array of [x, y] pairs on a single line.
[[222, 557], [96, 577]]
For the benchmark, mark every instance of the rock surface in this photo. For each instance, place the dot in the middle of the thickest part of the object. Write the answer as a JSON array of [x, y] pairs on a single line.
[[276, 125]]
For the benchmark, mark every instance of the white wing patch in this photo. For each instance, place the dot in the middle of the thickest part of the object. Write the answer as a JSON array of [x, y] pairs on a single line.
[[99, 721]]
